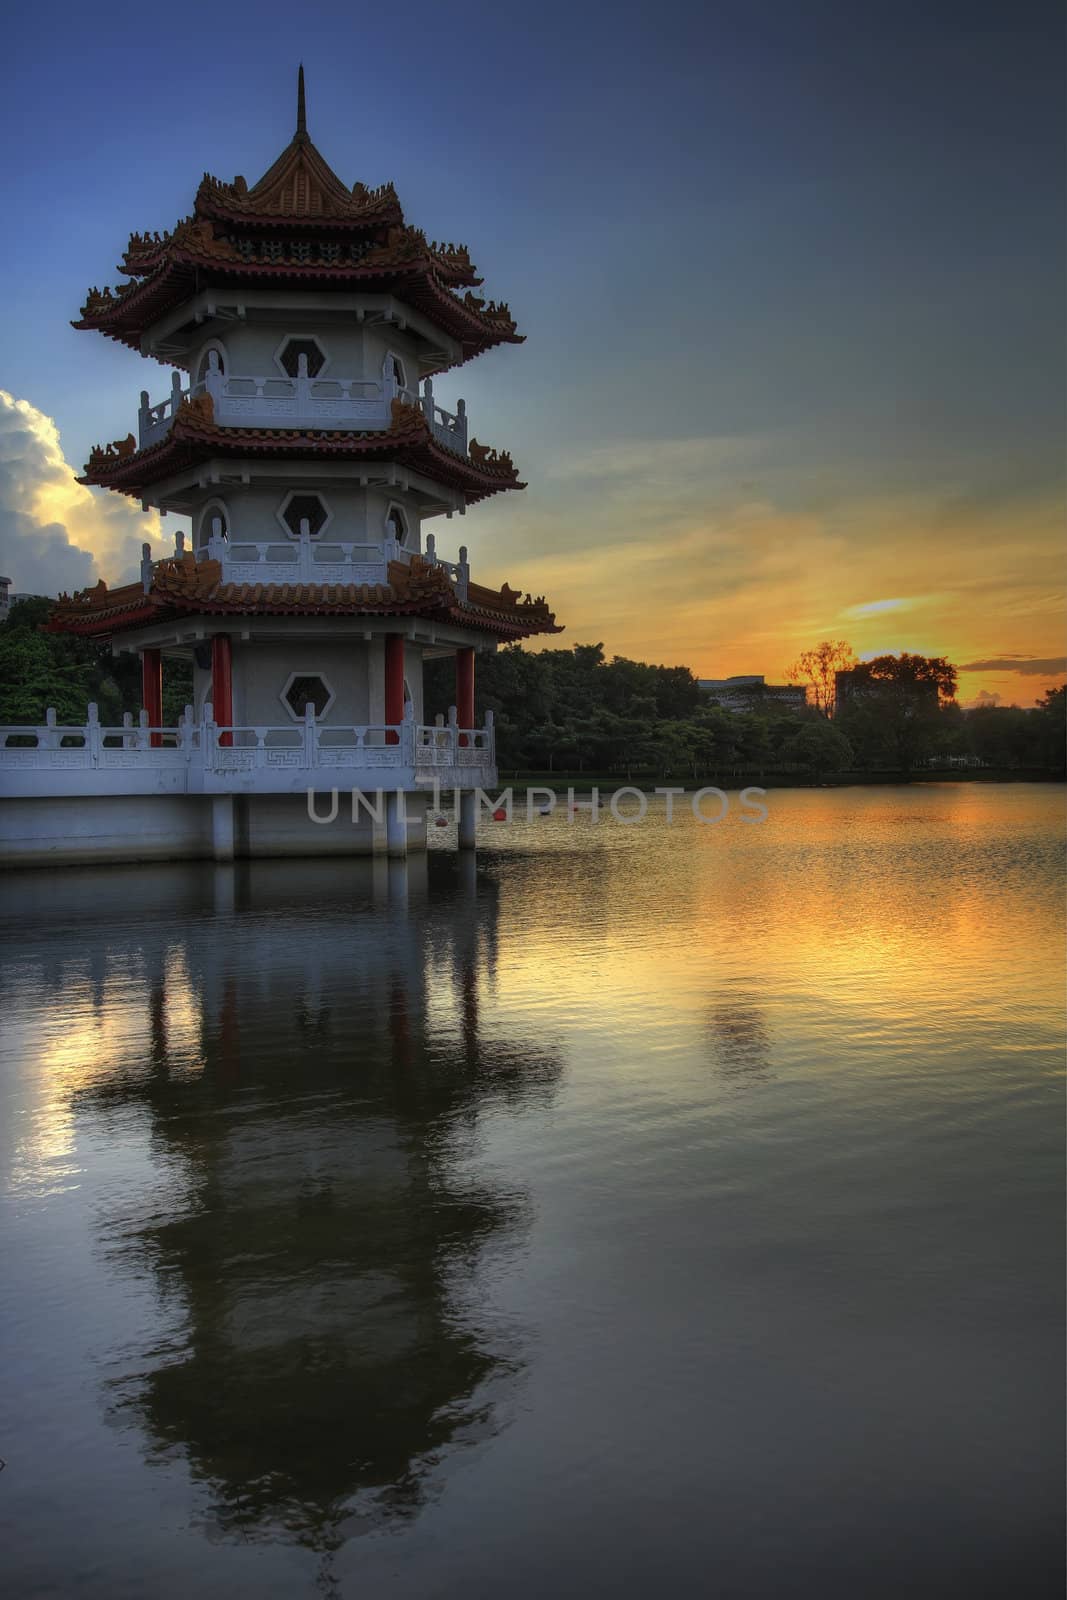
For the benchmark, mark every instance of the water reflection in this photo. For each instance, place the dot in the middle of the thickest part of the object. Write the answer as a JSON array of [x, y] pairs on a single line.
[[740, 1039], [296, 1197], [313, 1071]]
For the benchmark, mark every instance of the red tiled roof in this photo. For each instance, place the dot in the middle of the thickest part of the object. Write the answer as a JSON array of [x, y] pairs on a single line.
[[186, 585], [298, 226], [299, 185], [194, 435], [409, 271], [199, 240]]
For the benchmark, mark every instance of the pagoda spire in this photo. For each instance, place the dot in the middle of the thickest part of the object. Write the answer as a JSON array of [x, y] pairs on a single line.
[[301, 106]]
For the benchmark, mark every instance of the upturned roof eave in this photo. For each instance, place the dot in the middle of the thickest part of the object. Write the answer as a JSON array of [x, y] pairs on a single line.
[[409, 442], [184, 587], [126, 318]]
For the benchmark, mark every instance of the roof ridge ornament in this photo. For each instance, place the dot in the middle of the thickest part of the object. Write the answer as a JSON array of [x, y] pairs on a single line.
[[301, 107]]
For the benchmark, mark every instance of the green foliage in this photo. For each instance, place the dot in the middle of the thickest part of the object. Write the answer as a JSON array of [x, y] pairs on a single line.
[[39, 670], [574, 711], [1050, 720], [177, 689], [34, 676], [819, 748], [1005, 736]]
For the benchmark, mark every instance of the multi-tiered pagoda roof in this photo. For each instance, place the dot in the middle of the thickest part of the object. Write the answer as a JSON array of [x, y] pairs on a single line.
[[194, 434], [413, 589], [299, 227]]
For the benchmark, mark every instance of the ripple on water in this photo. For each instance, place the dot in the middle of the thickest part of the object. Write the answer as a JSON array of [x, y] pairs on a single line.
[[648, 1205]]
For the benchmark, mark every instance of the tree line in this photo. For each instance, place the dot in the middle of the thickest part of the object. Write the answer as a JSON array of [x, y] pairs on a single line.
[[574, 711], [563, 712]]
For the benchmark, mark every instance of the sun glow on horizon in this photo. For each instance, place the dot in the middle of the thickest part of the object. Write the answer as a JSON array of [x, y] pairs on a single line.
[[744, 587]]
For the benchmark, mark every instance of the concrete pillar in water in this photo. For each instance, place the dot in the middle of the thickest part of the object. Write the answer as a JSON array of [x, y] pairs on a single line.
[[468, 815], [397, 883], [222, 827], [396, 823], [224, 887]]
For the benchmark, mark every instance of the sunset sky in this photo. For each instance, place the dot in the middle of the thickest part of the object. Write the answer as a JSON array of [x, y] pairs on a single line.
[[791, 277]]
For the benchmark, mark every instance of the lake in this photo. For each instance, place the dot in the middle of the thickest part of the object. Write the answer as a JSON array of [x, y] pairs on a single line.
[[654, 1209]]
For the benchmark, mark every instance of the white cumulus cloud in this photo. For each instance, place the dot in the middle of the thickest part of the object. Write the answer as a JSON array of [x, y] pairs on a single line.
[[55, 534]]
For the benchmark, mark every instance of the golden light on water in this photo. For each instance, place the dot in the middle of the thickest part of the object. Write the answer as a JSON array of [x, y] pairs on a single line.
[[91, 1031], [807, 908], [865, 915]]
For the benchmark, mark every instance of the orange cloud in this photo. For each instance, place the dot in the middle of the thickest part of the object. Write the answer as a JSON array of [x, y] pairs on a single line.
[[54, 532], [659, 552]]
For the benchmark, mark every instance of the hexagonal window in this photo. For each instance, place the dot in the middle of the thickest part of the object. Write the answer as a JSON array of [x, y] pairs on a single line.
[[301, 506], [307, 689], [288, 357]]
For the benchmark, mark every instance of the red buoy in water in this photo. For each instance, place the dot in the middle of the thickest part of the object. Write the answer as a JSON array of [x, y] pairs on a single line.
[[500, 815]]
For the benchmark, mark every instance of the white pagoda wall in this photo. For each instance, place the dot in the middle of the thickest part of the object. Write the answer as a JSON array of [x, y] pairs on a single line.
[[353, 668], [352, 349], [357, 515]]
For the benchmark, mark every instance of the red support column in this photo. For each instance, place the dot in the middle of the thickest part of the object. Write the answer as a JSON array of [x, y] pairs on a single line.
[[394, 684], [152, 691], [465, 689], [222, 683]]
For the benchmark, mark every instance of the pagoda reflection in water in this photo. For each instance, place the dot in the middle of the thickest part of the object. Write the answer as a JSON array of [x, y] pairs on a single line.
[[318, 1220]]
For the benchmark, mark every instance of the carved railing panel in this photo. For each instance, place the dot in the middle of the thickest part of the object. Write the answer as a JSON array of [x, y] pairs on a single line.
[[197, 757], [242, 401]]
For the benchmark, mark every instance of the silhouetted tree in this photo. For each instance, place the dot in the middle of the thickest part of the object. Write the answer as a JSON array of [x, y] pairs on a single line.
[[1050, 716], [894, 702], [818, 669]]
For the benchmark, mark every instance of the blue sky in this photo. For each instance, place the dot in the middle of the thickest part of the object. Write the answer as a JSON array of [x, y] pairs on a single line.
[[790, 275]]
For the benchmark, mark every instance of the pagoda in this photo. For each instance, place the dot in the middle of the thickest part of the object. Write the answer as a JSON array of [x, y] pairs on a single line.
[[306, 322]]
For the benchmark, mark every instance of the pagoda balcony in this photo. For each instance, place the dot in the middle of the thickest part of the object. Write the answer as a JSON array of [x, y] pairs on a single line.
[[302, 402], [307, 560], [200, 757]]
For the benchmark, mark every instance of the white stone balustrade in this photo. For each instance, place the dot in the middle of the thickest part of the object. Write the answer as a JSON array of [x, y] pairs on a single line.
[[200, 757], [300, 560], [305, 559], [459, 571], [277, 401]]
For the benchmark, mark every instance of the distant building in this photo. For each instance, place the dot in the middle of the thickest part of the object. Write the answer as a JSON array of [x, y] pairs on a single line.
[[954, 761], [7, 599], [749, 692]]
